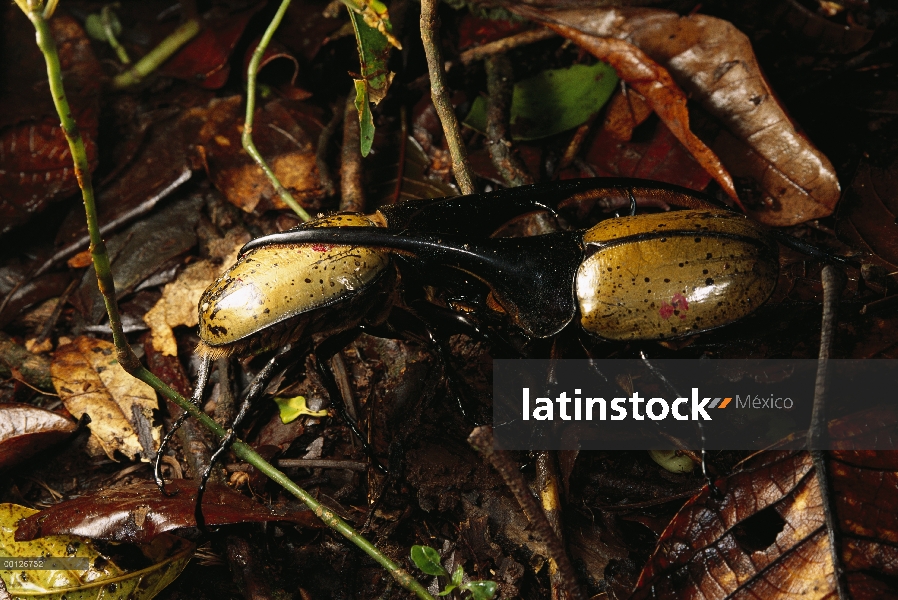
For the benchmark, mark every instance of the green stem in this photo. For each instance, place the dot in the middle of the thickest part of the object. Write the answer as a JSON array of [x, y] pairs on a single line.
[[251, 72], [106, 16], [158, 55], [126, 356]]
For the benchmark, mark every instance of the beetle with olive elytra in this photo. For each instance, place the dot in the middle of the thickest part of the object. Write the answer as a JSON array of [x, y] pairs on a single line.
[[642, 277]]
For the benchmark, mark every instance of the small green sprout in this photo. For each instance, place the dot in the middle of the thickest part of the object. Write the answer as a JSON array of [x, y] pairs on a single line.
[[428, 560], [292, 408]]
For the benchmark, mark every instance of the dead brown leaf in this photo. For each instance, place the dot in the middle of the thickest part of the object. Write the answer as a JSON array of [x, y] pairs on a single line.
[[715, 64], [89, 379], [286, 135], [766, 537], [655, 84]]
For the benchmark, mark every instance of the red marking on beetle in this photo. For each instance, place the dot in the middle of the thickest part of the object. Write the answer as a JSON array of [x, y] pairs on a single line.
[[678, 305], [321, 247]]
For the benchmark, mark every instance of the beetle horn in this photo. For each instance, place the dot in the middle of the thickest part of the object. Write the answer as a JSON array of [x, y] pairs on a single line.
[[532, 278]]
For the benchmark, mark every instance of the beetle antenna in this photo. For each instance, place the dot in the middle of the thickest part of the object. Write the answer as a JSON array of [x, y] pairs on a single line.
[[701, 429], [202, 379]]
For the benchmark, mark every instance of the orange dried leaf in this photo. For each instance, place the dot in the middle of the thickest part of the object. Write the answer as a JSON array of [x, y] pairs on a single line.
[[715, 64], [659, 89], [766, 537]]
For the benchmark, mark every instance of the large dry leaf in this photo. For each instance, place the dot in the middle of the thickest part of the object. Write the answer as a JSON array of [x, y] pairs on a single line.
[[766, 537], [101, 577], [715, 64], [180, 298], [89, 379]]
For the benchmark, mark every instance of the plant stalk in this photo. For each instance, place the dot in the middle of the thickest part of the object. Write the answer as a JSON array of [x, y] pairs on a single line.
[[125, 354], [158, 55], [247, 138]]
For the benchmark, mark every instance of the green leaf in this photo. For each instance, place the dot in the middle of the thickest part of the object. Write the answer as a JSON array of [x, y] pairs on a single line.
[[457, 575], [366, 121], [672, 461], [374, 54], [553, 101], [375, 15], [292, 408], [83, 573], [428, 560], [481, 590]]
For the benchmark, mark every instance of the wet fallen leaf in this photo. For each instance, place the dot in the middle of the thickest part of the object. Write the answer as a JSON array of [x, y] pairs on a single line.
[[766, 537], [714, 62], [178, 304], [35, 164], [138, 513], [307, 26], [89, 379], [553, 101], [868, 219], [25, 430], [83, 572], [662, 158], [825, 35], [286, 134], [205, 58]]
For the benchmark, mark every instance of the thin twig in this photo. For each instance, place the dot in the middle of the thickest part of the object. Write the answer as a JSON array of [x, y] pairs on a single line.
[[403, 145], [352, 193], [125, 354], [158, 55], [818, 432], [106, 16], [429, 27], [324, 139], [505, 44], [247, 138], [482, 440], [500, 86]]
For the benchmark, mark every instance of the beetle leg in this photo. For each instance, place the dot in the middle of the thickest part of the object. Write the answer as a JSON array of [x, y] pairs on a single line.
[[323, 353], [715, 491], [202, 379], [256, 387]]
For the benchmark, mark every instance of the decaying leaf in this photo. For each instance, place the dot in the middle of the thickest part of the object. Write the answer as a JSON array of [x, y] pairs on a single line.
[[89, 379], [868, 219], [714, 62], [25, 430], [766, 536], [35, 164], [654, 83], [81, 571], [178, 304], [139, 513], [553, 101], [286, 134], [205, 59]]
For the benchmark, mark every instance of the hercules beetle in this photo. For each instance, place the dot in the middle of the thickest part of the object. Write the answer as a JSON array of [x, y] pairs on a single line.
[[646, 277]]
